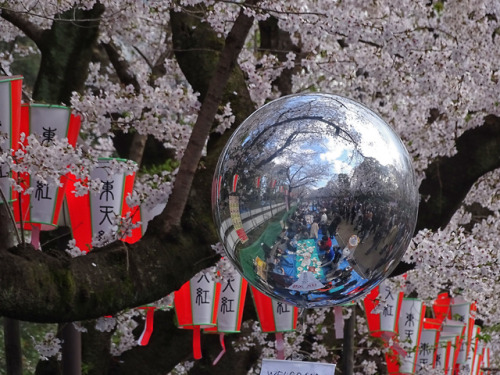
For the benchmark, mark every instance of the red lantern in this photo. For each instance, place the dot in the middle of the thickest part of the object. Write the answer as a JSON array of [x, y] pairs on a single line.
[[94, 214], [235, 183], [441, 307], [196, 306], [429, 343], [471, 366], [383, 323], [487, 357], [231, 304], [448, 342], [457, 329], [10, 119], [464, 312], [40, 210], [275, 317], [257, 182], [410, 328]]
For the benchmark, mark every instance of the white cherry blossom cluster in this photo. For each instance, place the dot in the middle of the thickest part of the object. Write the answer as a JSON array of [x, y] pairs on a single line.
[[225, 119], [260, 73], [166, 111], [369, 368], [124, 338], [166, 303], [73, 250], [48, 163], [121, 228], [50, 346], [182, 368], [393, 62], [105, 323], [225, 270]]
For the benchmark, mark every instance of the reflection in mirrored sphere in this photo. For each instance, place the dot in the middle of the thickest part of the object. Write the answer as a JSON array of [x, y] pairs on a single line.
[[315, 199]]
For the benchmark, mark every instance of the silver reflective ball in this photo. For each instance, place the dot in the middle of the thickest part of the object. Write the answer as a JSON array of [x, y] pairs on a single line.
[[315, 199]]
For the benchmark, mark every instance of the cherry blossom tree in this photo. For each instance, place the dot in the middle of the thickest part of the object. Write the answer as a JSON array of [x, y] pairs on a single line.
[[164, 83]]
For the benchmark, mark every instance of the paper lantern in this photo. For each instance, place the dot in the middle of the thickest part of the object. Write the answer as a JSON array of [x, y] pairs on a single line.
[[196, 306], [487, 357], [410, 328], [441, 307], [448, 343], [458, 329], [464, 312], [471, 365], [10, 118], [427, 349], [40, 210], [383, 322], [231, 305], [479, 363], [275, 317], [94, 215]]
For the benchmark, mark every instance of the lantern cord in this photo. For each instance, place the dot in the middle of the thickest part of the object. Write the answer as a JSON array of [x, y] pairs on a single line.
[[196, 342], [11, 215], [280, 346], [221, 340]]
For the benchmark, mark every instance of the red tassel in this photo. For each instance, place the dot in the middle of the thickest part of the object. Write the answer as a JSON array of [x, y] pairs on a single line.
[[196, 342]]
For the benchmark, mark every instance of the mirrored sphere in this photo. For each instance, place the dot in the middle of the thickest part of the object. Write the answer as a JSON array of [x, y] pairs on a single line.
[[315, 199]]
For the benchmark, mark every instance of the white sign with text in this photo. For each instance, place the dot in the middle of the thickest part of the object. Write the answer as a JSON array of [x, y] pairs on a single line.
[[281, 367]]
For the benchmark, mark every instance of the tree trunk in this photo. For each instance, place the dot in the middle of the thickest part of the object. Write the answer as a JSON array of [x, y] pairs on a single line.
[[66, 50], [71, 350], [12, 342], [348, 345]]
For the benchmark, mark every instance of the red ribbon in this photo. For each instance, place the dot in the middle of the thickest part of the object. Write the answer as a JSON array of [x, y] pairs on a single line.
[[148, 327], [221, 340], [280, 346], [196, 342], [35, 237]]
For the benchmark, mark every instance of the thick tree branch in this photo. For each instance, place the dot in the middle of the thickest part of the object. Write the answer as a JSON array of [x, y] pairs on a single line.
[[235, 40], [449, 179], [51, 287], [66, 52], [32, 31], [121, 66]]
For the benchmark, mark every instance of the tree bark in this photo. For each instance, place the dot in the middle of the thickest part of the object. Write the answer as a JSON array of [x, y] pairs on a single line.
[[12, 342], [449, 179], [171, 215], [71, 350], [348, 344], [67, 49]]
